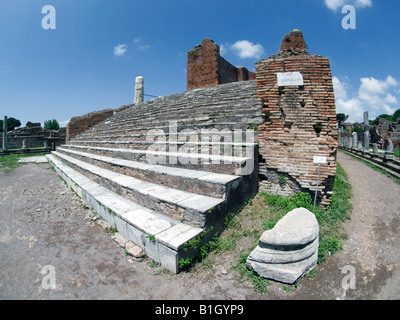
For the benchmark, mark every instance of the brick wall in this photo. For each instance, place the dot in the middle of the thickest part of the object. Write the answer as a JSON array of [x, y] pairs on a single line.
[[207, 68], [80, 124], [299, 121]]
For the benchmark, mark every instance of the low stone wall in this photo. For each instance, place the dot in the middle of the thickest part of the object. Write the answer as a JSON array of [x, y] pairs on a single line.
[[34, 137], [31, 141], [392, 164], [26, 151], [80, 124]]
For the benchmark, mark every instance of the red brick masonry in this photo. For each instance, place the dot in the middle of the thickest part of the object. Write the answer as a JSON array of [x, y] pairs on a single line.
[[299, 121], [206, 67]]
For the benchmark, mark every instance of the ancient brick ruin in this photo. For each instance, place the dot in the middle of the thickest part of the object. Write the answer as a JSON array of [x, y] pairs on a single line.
[[81, 123], [206, 67], [299, 121], [170, 169]]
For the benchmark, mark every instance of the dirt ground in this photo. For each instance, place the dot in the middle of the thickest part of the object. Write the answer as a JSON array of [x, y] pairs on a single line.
[[51, 249]]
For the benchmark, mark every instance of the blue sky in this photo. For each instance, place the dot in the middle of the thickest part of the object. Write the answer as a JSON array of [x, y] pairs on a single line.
[[90, 61]]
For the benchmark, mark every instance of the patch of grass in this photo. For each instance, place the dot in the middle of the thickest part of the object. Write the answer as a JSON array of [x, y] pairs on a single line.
[[153, 264], [260, 284], [244, 229], [10, 162], [331, 233], [397, 152]]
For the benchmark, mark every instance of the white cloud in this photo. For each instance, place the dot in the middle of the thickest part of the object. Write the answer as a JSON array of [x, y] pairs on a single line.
[[246, 49], [63, 123], [374, 95], [340, 89], [138, 40], [144, 47], [351, 107], [243, 48], [390, 99], [334, 5], [120, 50], [224, 48], [363, 3]]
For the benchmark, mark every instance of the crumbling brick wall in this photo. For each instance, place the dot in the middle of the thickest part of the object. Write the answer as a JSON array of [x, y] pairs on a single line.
[[299, 121], [207, 68], [80, 124]]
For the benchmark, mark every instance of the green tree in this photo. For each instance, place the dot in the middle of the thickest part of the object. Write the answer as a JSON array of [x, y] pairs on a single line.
[[12, 123], [396, 115], [358, 127], [341, 117], [385, 116], [51, 125]]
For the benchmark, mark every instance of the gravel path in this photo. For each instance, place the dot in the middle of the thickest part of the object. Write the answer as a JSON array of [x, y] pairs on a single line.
[[45, 231]]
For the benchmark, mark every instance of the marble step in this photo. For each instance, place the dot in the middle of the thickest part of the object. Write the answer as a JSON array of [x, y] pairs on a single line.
[[162, 238], [232, 165], [202, 182], [186, 206]]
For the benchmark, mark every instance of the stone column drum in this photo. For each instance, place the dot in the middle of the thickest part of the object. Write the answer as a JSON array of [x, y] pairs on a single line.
[[139, 90], [289, 250]]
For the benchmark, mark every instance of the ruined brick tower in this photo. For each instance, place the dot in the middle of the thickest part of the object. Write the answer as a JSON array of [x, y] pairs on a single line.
[[207, 68], [299, 118]]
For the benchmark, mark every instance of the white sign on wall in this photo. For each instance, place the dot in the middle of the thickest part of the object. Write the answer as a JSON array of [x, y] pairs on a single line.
[[290, 79], [321, 160]]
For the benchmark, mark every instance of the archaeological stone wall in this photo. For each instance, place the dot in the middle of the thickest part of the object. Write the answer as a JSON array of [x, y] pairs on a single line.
[[299, 121], [80, 124], [33, 136]]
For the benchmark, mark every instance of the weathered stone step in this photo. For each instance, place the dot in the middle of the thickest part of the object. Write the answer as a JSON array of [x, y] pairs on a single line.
[[174, 111], [206, 183], [237, 135], [184, 205], [231, 165], [187, 118], [161, 237], [242, 95], [216, 148], [165, 128]]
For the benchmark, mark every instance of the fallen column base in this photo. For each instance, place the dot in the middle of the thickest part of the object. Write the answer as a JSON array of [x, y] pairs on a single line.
[[289, 250]]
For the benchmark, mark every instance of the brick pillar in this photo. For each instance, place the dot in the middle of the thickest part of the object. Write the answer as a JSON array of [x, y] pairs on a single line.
[[299, 120]]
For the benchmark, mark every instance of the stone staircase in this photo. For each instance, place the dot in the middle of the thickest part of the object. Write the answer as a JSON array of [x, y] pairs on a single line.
[[166, 170]]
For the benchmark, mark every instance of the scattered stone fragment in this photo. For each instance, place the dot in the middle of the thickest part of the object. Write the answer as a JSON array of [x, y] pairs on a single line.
[[120, 239], [134, 250], [286, 252], [104, 224]]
